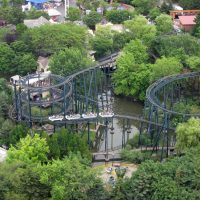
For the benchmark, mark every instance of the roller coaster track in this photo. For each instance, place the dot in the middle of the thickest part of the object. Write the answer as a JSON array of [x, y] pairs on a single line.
[[111, 59]]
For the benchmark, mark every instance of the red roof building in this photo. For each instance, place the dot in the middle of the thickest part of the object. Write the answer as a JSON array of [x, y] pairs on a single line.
[[187, 22]]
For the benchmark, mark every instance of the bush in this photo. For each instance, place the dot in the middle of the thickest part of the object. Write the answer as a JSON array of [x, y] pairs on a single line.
[[135, 143], [118, 16], [92, 19], [136, 157], [74, 14]]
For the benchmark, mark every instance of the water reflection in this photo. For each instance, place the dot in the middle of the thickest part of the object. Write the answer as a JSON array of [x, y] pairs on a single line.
[[121, 106]]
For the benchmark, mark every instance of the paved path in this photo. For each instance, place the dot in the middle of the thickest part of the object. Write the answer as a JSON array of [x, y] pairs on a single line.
[[3, 154]]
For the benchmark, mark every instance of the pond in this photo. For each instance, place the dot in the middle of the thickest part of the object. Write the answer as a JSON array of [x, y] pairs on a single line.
[[121, 106]]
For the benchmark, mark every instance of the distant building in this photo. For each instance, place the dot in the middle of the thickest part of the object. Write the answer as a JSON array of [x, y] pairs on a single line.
[[31, 23], [187, 22]]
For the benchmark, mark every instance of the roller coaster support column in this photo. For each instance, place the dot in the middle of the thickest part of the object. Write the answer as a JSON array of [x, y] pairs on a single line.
[[123, 134], [16, 100], [112, 133], [88, 124], [106, 139], [29, 106]]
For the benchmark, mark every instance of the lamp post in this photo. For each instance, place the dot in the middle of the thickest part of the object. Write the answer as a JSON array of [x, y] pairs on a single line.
[[66, 8]]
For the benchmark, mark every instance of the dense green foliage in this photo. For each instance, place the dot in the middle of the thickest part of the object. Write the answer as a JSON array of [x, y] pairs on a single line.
[[102, 43], [23, 177], [34, 14], [21, 181], [118, 16], [91, 4], [74, 14], [69, 60], [188, 134], [164, 24], [173, 179], [64, 142], [57, 166], [69, 178], [92, 19], [196, 28], [143, 6], [164, 67], [49, 39], [12, 15], [179, 46], [140, 29], [29, 150], [16, 59], [154, 12], [192, 4], [6, 125], [131, 76]]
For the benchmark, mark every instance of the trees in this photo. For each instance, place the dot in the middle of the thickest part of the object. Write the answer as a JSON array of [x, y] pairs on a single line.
[[68, 61], [143, 6], [6, 58], [102, 43], [188, 134], [12, 14], [175, 178], [196, 28], [164, 24], [92, 19], [29, 150], [68, 178], [34, 14], [74, 14], [49, 39], [193, 62], [154, 12], [192, 4], [132, 75], [21, 181], [14, 61], [24, 63], [140, 29], [91, 4], [138, 50], [165, 67], [120, 39], [64, 142], [178, 46], [118, 16]]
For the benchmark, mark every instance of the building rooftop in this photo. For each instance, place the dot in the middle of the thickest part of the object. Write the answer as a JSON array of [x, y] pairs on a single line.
[[187, 20], [31, 23]]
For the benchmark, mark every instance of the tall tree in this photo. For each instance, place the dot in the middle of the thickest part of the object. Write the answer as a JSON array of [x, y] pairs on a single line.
[[49, 39], [29, 149], [74, 14], [68, 61], [92, 19], [140, 29], [102, 43], [192, 4], [143, 6], [69, 179], [188, 134], [132, 75], [165, 67], [164, 24]]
